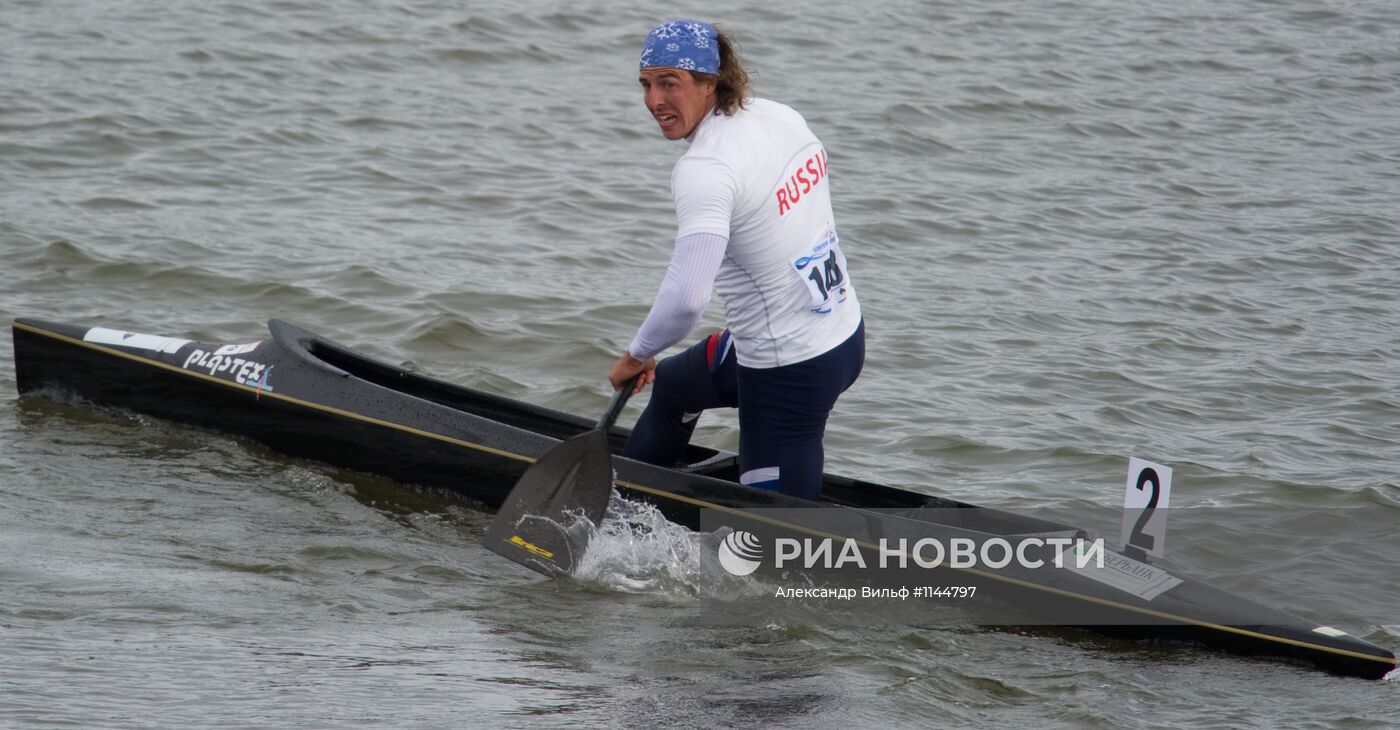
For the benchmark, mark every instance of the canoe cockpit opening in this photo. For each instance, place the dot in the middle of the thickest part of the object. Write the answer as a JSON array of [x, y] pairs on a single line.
[[696, 459], [531, 418], [456, 397]]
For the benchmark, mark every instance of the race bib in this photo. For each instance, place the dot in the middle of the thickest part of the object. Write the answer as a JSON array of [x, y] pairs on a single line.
[[823, 271]]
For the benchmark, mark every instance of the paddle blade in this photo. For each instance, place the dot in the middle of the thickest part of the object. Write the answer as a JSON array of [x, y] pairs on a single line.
[[540, 524]]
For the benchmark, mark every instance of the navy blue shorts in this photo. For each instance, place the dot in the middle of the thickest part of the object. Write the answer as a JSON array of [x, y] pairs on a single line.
[[782, 410]]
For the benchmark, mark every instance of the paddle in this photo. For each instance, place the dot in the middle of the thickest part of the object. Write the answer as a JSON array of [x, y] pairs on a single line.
[[540, 524]]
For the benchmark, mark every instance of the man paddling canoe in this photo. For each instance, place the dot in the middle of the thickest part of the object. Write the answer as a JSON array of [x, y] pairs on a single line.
[[753, 206]]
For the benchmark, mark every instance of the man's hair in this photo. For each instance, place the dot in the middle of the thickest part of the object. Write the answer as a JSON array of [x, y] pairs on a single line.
[[732, 82]]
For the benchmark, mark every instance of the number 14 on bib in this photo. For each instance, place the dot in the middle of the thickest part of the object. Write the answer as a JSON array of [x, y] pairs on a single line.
[[823, 271]]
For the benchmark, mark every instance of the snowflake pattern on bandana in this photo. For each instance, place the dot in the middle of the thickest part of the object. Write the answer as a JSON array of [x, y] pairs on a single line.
[[684, 44]]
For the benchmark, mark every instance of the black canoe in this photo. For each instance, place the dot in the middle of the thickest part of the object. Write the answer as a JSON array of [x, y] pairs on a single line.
[[304, 395]]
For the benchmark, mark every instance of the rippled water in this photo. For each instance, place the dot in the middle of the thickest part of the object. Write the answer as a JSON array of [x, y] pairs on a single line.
[[1082, 230]]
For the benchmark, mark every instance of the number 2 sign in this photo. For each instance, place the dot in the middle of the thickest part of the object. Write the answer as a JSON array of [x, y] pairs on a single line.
[[1145, 500]]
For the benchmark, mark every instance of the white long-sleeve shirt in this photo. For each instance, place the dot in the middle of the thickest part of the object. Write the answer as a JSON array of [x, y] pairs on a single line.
[[683, 296], [753, 207]]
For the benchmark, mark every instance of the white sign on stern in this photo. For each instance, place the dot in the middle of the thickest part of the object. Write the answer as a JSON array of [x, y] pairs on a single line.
[[1145, 500]]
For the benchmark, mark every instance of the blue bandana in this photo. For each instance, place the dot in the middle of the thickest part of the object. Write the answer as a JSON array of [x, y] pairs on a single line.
[[686, 44]]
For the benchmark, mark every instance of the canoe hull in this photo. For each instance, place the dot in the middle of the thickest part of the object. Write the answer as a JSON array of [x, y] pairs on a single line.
[[305, 396]]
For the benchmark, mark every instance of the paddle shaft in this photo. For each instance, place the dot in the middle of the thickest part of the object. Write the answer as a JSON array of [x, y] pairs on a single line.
[[618, 401]]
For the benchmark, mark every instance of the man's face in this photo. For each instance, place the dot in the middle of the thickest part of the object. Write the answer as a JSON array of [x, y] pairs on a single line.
[[676, 100]]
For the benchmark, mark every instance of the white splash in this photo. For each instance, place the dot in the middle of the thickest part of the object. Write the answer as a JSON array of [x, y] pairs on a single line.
[[638, 550]]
